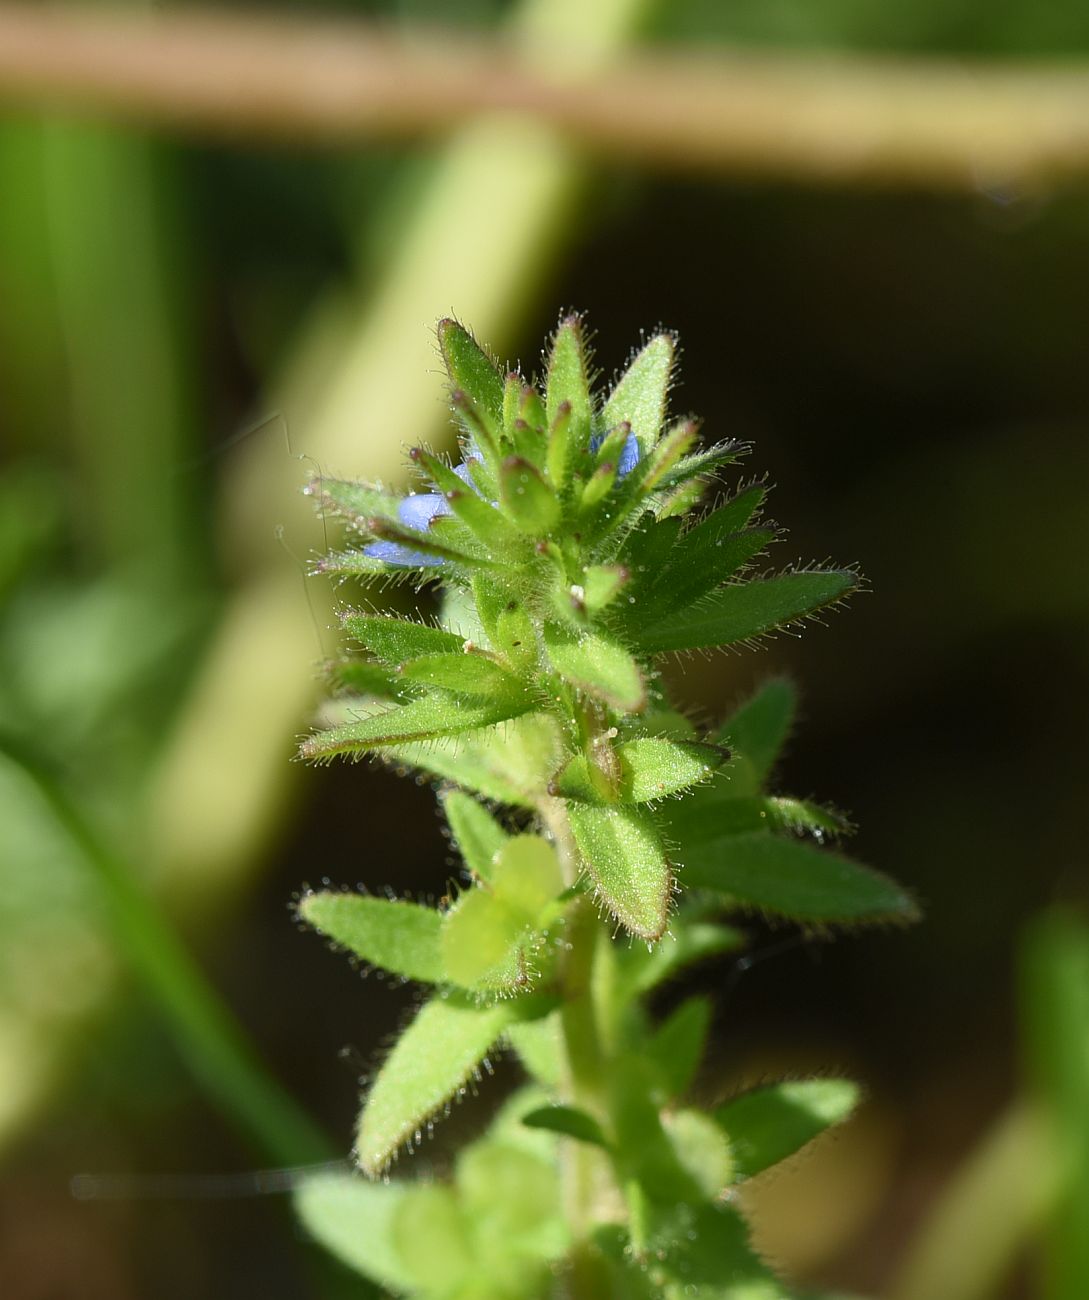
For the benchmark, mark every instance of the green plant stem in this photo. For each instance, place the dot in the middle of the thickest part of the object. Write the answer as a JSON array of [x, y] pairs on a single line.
[[206, 1034], [586, 1174]]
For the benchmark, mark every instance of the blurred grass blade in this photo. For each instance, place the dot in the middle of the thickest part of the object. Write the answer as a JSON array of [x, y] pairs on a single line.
[[1055, 1007], [206, 1035]]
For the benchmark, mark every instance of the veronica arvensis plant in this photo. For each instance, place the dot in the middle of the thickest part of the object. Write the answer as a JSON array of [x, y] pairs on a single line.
[[606, 841]]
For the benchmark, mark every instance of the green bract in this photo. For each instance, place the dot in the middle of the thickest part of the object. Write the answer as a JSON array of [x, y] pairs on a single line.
[[576, 539]]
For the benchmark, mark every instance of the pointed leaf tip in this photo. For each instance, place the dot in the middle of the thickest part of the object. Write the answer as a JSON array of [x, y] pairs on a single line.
[[430, 1063], [400, 937], [771, 1123], [641, 392]]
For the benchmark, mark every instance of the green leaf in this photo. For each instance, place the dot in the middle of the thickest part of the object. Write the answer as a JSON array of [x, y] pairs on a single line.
[[705, 1252], [480, 940], [436, 1056], [790, 878], [568, 1121], [539, 1046], [598, 666], [601, 584], [702, 462], [353, 502], [527, 875], [698, 566], [653, 768], [768, 1124], [429, 1212], [678, 1044], [575, 781], [511, 1196], [472, 371], [749, 609], [359, 677], [721, 814], [465, 673], [567, 399], [356, 564], [528, 500], [701, 1148], [508, 764], [446, 538], [428, 718], [400, 937], [640, 394], [397, 640], [481, 518], [738, 512], [477, 834], [516, 638], [757, 732], [667, 453], [353, 1220], [624, 856]]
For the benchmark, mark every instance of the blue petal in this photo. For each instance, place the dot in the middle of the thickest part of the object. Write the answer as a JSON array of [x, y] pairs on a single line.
[[401, 556], [629, 454], [629, 457], [418, 510]]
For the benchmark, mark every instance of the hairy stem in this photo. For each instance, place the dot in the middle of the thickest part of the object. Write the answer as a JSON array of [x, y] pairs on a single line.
[[586, 1176]]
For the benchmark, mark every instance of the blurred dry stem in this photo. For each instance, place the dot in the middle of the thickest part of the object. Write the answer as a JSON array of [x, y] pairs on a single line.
[[816, 118], [996, 1200]]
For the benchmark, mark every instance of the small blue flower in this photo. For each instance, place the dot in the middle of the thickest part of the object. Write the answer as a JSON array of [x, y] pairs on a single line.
[[417, 511], [629, 454]]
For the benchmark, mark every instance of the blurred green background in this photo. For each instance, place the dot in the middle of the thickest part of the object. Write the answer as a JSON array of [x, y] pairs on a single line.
[[188, 329]]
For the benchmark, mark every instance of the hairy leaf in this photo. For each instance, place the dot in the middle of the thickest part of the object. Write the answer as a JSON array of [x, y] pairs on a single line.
[[480, 940], [790, 878], [750, 609], [430, 1063], [699, 567], [567, 399], [758, 730], [641, 392], [568, 1121], [624, 856], [352, 1218], [768, 1124], [653, 768], [397, 640], [598, 666], [400, 937], [502, 763], [472, 371], [428, 718], [465, 674], [527, 499], [477, 834], [527, 875], [677, 1045], [353, 502]]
